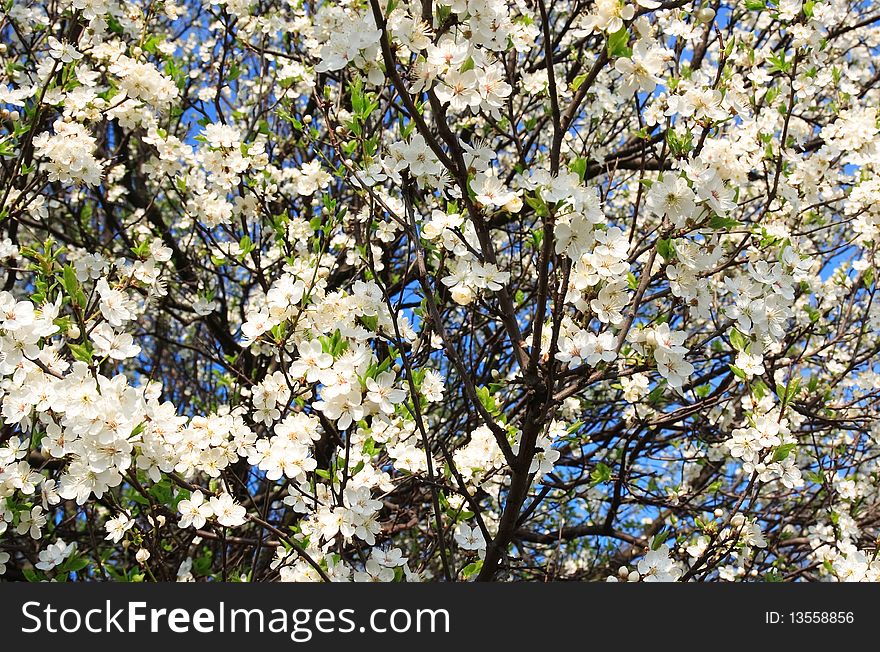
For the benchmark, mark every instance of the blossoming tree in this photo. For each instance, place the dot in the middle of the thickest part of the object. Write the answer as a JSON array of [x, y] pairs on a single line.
[[409, 290]]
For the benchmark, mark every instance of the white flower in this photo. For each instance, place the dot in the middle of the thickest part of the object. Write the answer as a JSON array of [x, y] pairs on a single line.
[[194, 511], [310, 178], [32, 522], [63, 51], [490, 191], [117, 527], [227, 511], [69, 154], [640, 72], [115, 306], [54, 554], [311, 361], [469, 538], [751, 365], [459, 90], [432, 386], [390, 558], [117, 346], [656, 566], [381, 392]]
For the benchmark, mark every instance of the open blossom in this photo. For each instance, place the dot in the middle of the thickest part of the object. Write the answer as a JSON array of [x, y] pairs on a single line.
[[32, 522], [194, 511], [673, 198], [469, 538], [491, 191], [115, 305], [433, 386], [310, 178], [609, 303], [493, 89], [381, 391], [641, 71], [117, 346], [751, 365], [460, 90], [63, 51], [311, 361], [117, 527], [54, 554], [587, 348], [227, 511], [635, 387], [657, 566], [144, 82], [609, 15], [70, 154]]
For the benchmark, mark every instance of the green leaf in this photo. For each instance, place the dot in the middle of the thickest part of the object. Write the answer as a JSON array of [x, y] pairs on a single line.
[[632, 281], [783, 451], [779, 63], [656, 394], [759, 389], [81, 352], [816, 477], [723, 223], [370, 322], [538, 205], [666, 248], [787, 393], [472, 569], [739, 341], [32, 575], [72, 287], [600, 474], [739, 373], [659, 538], [680, 145], [161, 491], [579, 166], [73, 564], [537, 238], [487, 400], [617, 43]]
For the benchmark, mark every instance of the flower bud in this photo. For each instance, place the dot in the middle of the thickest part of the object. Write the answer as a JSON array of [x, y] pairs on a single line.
[[462, 294], [514, 205], [706, 15]]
